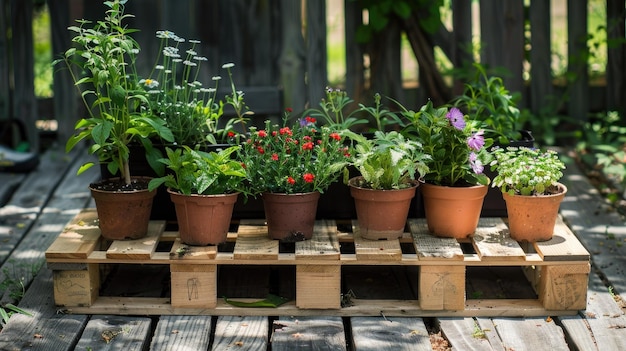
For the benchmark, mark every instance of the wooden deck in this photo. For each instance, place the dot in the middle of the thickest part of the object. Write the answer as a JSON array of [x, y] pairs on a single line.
[[44, 201]]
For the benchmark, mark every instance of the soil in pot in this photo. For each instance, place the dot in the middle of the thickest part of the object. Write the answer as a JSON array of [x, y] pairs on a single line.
[[123, 210]]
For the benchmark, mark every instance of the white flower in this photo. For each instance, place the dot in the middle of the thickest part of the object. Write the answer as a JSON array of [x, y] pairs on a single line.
[[228, 65], [149, 83]]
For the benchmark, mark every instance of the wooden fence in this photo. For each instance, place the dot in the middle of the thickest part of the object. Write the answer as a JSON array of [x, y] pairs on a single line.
[[279, 49]]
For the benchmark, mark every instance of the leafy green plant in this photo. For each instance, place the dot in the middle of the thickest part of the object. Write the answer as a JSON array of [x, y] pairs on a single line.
[[526, 171], [389, 160], [457, 146], [198, 172], [603, 145], [116, 103], [487, 100], [336, 111]]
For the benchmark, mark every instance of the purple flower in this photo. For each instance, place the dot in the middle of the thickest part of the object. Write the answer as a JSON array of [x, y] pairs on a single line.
[[475, 163], [476, 141], [455, 116]]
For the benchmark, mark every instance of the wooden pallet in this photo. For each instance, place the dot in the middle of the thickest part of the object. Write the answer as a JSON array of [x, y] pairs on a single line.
[[558, 270]]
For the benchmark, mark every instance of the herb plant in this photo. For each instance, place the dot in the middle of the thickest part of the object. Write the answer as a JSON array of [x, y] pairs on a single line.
[[389, 160], [198, 172], [456, 145], [117, 105], [486, 99], [526, 171], [336, 111]]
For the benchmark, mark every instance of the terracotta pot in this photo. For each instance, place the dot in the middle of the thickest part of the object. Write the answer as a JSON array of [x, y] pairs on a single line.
[[123, 214], [453, 212], [290, 217], [203, 219], [532, 218], [382, 214]]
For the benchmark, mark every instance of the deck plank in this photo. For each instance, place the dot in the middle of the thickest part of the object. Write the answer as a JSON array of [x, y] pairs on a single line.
[[181, 333], [539, 333], [464, 334], [394, 334], [240, 333], [603, 317], [30, 198], [308, 333], [46, 330], [47, 217], [597, 225], [115, 333]]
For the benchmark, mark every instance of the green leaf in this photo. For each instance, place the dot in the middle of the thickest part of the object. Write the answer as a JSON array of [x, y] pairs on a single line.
[[84, 167]]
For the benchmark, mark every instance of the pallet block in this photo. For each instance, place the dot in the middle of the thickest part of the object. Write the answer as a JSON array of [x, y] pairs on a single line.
[[558, 269]]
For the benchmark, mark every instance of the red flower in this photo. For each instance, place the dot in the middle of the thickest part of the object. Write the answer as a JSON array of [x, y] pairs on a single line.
[[262, 133], [274, 133], [275, 157], [306, 137], [308, 177], [288, 110], [335, 136], [291, 181], [285, 130], [230, 134], [310, 119], [243, 165], [260, 150], [307, 146]]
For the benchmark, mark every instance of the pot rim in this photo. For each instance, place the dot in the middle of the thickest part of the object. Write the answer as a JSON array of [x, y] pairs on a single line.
[[414, 183], [176, 192], [101, 181], [559, 185]]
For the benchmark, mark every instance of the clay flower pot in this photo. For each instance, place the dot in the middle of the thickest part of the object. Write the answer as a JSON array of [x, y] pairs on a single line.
[[123, 214], [453, 212], [382, 214], [290, 217], [532, 218], [203, 219]]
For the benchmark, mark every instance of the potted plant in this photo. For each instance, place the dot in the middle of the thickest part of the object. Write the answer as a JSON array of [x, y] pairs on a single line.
[[455, 184], [192, 111], [118, 115], [390, 166], [528, 179], [486, 99], [203, 187], [289, 166]]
